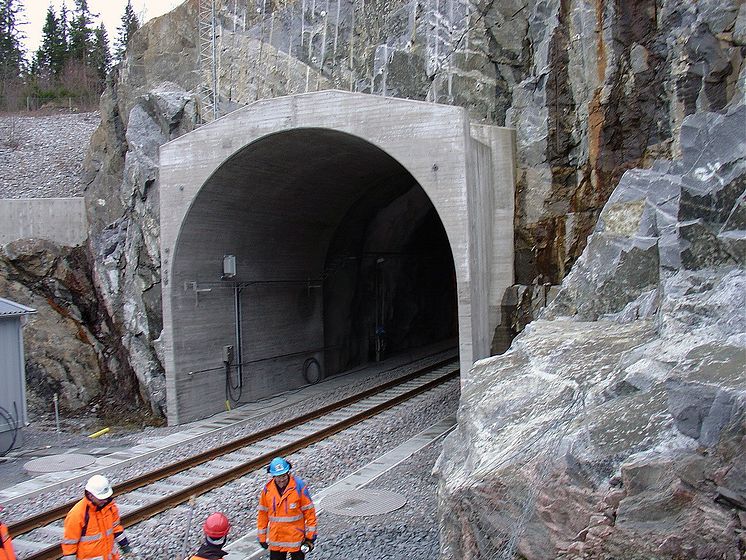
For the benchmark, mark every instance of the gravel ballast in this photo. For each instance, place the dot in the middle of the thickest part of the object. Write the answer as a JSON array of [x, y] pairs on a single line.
[[410, 532], [412, 528], [320, 465]]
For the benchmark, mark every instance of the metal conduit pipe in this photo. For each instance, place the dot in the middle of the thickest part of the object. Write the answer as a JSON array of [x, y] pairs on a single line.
[[239, 353]]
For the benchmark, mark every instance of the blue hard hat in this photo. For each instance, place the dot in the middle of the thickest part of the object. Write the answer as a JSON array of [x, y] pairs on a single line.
[[278, 466]]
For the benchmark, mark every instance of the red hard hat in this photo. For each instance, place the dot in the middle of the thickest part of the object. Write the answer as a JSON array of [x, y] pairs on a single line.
[[216, 526]]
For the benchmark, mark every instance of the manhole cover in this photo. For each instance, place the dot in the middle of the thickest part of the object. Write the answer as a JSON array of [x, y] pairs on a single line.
[[360, 503], [55, 463]]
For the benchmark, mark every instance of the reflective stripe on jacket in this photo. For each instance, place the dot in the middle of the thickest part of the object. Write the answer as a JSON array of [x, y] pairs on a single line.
[[6, 546], [90, 533], [284, 522]]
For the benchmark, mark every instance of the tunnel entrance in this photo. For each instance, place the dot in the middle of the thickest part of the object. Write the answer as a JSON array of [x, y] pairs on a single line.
[[307, 235], [337, 258], [390, 281]]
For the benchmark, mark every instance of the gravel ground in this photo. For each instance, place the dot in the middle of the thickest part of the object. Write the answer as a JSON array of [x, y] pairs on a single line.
[[410, 532], [320, 466], [412, 527], [42, 156]]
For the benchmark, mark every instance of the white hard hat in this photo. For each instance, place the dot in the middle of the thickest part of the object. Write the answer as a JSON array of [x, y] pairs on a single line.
[[99, 486]]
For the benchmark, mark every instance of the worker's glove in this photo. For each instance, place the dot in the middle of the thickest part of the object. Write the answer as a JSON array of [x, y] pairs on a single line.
[[264, 545], [309, 544], [125, 548]]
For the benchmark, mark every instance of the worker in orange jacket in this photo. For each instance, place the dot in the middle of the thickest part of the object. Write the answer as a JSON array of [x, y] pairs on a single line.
[[92, 527], [286, 517], [6, 546], [216, 529]]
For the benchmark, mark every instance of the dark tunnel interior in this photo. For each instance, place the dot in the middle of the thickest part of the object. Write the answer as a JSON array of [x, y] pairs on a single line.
[[390, 281]]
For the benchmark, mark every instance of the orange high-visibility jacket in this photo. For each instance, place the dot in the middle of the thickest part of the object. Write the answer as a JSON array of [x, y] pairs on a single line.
[[90, 533], [209, 552], [6, 547], [284, 522]]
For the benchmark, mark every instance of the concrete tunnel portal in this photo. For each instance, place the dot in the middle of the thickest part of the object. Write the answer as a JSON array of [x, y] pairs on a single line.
[[340, 259], [300, 251]]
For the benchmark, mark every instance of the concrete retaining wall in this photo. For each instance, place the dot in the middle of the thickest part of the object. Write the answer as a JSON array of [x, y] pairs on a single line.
[[62, 220]]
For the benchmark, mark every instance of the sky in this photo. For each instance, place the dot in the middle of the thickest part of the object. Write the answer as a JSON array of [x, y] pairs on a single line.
[[109, 11]]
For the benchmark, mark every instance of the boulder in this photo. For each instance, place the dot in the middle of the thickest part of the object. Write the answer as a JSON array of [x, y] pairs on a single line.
[[614, 425]]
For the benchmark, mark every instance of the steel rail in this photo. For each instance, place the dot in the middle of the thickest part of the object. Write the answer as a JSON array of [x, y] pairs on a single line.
[[36, 521], [54, 552]]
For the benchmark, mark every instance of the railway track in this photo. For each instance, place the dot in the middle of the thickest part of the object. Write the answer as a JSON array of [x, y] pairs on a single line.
[[38, 537]]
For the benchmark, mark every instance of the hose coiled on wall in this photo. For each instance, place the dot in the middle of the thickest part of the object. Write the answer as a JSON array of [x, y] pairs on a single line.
[[12, 423]]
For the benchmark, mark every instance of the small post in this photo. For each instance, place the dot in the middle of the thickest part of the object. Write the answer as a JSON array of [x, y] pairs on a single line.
[[56, 400], [185, 542]]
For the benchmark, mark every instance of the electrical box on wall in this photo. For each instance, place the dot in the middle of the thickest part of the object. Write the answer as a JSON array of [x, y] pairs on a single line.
[[229, 266], [228, 354]]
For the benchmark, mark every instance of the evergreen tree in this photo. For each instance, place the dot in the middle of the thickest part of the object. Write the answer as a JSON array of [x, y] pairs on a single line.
[[130, 24], [11, 51], [52, 55], [65, 28], [81, 33], [100, 55]]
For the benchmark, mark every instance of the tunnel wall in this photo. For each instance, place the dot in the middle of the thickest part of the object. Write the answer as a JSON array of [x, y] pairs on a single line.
[[497, 207], [434, 143]]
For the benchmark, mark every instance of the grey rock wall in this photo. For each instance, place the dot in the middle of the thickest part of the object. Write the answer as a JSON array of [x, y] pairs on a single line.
[[614, 425], [593, 88], [126, 252]]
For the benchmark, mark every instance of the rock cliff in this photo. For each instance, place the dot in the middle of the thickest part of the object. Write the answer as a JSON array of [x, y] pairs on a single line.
[[614, 427], [593, 88]]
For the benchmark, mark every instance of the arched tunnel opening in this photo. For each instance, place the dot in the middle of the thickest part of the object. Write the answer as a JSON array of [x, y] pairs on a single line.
[[391, 285], [340, 259]]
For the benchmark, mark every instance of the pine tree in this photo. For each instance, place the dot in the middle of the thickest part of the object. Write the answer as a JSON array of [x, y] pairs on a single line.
[[65, 28], [80, 33], [52, 55], [130, 24], [100, 55], [11, 50]]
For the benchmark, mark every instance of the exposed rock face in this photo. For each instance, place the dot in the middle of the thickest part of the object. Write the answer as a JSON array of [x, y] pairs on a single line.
[[63, 355], [609, 85], [126, 253], [593, 87], [614, 427]]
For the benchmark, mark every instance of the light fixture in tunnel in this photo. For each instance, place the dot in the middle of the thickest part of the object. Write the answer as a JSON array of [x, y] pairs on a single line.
[[229, 267]]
